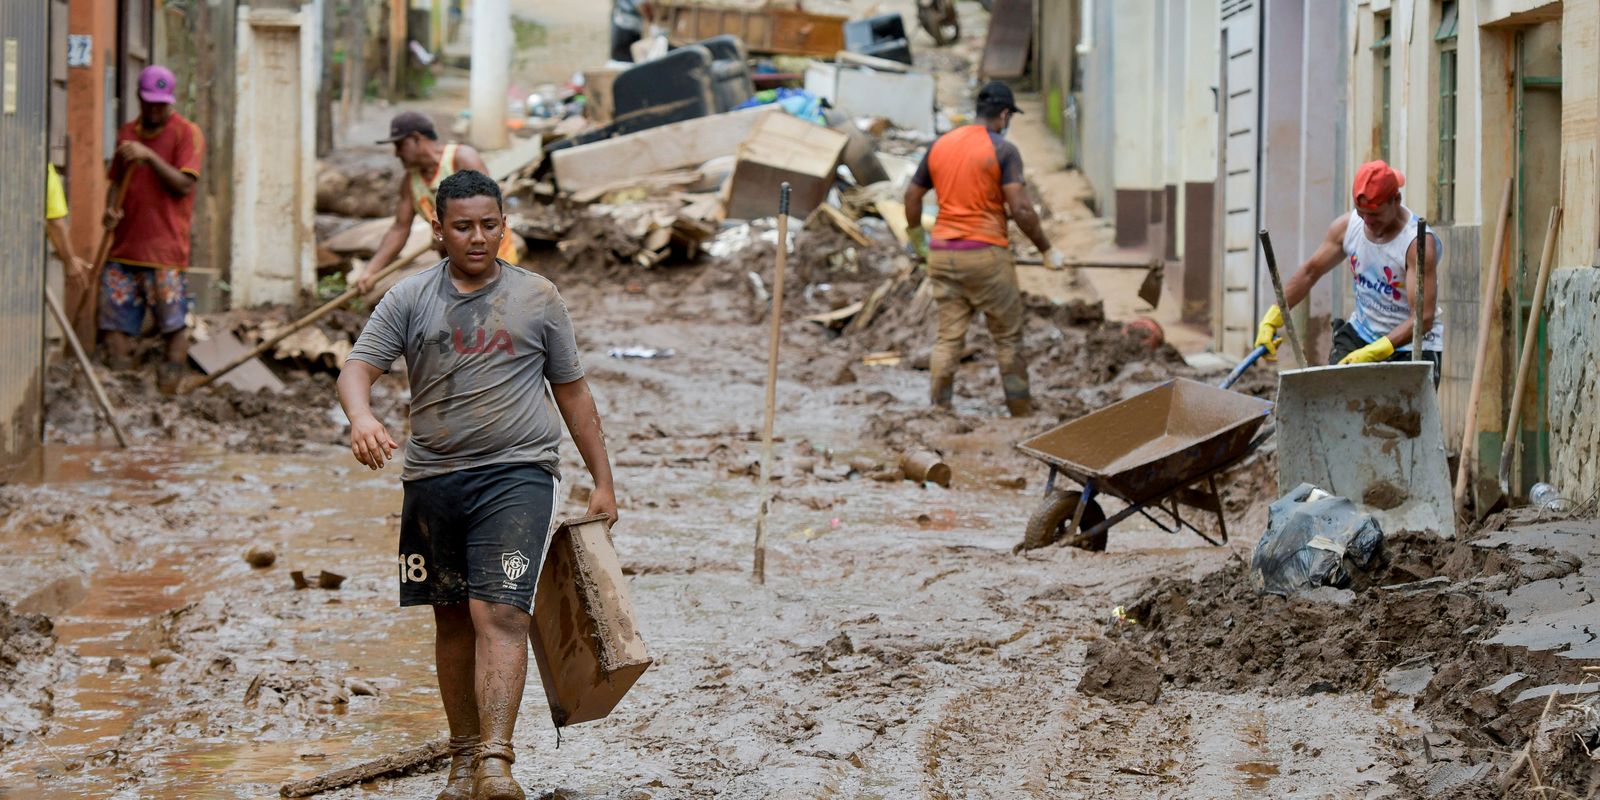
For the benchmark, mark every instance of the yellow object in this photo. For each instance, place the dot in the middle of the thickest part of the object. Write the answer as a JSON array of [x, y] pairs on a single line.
[[1267, 335], [55, 200], [1372, 353], [919, 241]]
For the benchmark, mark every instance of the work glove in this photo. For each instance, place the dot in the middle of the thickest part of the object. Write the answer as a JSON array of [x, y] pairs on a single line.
[[1055, 260], [919, 242], [1372, 353], [1267, 334]]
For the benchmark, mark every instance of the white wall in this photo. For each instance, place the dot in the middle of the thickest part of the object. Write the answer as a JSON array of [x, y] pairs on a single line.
[[274, 168]]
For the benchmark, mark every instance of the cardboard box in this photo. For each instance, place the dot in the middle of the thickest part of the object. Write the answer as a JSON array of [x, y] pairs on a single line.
[[584, 639], [783, 148]]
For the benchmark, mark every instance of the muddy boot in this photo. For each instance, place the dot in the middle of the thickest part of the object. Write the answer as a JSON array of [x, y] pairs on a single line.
[[169, 377], [1019, 407], [493, 780], [459, 784]]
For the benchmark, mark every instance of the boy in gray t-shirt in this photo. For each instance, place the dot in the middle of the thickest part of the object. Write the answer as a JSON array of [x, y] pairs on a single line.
[[481, 338]]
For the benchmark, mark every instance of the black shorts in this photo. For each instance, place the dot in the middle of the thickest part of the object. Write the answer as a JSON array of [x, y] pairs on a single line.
[[479, 533], [1347, 341]]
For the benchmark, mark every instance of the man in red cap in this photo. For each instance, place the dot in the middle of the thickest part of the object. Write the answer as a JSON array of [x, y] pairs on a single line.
[[1378, 240], [159, 156]]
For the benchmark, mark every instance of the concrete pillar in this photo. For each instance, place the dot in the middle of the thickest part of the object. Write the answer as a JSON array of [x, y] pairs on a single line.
[[274, 166], [491, 64]]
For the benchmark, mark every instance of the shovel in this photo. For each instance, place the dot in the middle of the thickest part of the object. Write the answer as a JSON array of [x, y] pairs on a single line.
[[1369, 432]]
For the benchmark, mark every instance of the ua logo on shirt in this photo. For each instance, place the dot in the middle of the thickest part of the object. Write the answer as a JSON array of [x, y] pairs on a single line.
[[466, 345]]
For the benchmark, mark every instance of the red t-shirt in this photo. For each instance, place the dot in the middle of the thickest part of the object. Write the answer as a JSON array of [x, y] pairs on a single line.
[[967, 168], [154, 231]]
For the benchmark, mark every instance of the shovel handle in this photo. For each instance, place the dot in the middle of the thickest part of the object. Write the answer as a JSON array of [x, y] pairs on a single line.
[[1249, 360], [1277, 288]]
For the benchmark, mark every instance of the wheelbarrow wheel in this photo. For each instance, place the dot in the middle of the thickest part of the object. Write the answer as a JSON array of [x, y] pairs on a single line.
[[1053, 516]]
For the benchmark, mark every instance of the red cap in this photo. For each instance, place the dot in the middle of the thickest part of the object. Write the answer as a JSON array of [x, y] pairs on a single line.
[[1376, 183]]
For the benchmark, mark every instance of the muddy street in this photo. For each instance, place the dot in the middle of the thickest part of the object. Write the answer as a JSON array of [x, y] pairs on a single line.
[[212, 612], [898, 646]]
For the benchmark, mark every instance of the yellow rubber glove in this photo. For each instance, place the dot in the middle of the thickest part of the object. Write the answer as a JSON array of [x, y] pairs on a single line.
[[1267, 334], [919, 241], [1372, 353]]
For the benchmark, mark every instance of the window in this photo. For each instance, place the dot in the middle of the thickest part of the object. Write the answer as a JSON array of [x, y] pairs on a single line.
[[1445, 37], [1380, 51]]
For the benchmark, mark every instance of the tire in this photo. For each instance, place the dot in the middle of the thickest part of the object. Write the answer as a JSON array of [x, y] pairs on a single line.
[[1052, 517]]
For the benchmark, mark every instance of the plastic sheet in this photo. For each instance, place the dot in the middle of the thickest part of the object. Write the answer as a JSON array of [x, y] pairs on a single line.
[[1313, 539]]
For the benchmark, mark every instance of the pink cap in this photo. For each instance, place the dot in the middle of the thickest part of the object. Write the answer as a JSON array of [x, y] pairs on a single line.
[[156, 84]]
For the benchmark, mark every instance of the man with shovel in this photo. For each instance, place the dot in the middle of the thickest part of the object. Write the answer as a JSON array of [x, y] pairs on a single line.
[[427, 163], [1378, 240], [481, 338], [977, 176], [158, 156]]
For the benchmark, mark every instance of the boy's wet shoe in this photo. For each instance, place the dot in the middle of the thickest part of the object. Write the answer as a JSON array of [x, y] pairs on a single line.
[[493, 780], [169, 377], [459, 785]]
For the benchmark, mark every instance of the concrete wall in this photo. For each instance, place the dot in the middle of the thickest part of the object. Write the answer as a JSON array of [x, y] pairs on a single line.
[[278, 67], [1097, 120], [1574, 310]]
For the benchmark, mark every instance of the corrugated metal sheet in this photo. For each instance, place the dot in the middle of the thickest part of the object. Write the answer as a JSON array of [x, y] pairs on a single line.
[[24, 84], [1459, 297]]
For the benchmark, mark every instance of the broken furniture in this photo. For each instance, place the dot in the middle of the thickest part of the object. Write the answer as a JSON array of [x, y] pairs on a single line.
[[882, 36], [784, 149], [584, 639], [731, 84], [1009, 42], [680, 145], [770, 29], [904, 98], [1162, 446]]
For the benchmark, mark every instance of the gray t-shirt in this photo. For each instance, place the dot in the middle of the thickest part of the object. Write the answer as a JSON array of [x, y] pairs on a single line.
[[478, 364]]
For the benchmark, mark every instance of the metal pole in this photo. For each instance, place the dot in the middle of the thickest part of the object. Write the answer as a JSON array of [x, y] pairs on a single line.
[[760, 568], [1277, 288], [1422, 289]]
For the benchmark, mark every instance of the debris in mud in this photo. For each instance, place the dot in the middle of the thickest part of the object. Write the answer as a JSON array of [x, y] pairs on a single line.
[[1384, 496], [1120, 671], [30, 669], [261, 556], [925, 466]]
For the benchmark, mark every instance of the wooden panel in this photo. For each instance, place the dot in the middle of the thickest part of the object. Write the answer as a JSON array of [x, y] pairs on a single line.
[[1460, 297]]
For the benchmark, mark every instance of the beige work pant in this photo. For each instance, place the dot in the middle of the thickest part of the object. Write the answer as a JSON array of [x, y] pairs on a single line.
[[966, 282]]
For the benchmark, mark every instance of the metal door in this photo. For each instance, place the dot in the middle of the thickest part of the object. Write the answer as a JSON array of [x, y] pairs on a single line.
[[24, 104], [1239, 154]]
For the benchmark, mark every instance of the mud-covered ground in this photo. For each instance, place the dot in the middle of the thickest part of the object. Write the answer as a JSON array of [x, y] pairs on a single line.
[[899, 648]]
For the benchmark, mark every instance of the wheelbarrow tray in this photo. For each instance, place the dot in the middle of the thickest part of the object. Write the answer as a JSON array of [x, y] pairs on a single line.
[[1154, 443]]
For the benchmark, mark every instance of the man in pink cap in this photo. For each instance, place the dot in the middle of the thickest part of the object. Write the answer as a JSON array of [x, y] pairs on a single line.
[[1378, 240], [159, 156]]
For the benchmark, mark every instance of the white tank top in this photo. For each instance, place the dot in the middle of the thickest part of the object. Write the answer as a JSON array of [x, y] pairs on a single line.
[[1379, 274]]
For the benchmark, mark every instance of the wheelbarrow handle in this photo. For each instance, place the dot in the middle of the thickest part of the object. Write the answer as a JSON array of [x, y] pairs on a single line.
[[1255, 355]]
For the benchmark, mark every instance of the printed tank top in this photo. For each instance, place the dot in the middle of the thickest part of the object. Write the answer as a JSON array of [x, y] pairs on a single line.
[[1378, 272]]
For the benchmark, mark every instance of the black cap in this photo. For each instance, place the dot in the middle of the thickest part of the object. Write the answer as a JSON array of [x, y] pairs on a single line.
[[997, 95], [406, 123]]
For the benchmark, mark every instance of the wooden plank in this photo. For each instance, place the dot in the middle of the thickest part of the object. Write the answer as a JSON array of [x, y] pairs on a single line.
[[220, 350], [420, 757], [679, 145]]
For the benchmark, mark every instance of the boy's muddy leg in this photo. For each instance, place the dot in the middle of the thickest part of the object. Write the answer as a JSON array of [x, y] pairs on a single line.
[[454, 647], [501, 672]]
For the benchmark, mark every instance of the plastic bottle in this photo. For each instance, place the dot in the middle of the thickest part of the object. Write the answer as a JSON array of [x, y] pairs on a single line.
[[1545, 497]]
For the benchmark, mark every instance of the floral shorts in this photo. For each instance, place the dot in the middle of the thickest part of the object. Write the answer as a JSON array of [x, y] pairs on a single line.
[[126, 292]]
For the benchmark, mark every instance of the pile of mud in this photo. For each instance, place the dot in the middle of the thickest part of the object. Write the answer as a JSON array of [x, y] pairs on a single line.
[[305, 413], [30, 667], [1415, 634]]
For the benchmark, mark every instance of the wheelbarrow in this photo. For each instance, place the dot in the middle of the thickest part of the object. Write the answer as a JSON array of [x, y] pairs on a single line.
[[1158, 450]]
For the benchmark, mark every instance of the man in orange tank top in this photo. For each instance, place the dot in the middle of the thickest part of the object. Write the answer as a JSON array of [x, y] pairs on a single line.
[[977, 176], [417, 145]]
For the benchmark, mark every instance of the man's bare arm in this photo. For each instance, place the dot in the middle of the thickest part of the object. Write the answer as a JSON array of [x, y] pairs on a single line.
[[583, 420], [467, 157], [370, 441], [1021, 209], [174, 180], [393, 239], [1329, 254], [61, 241], [914, 196]]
